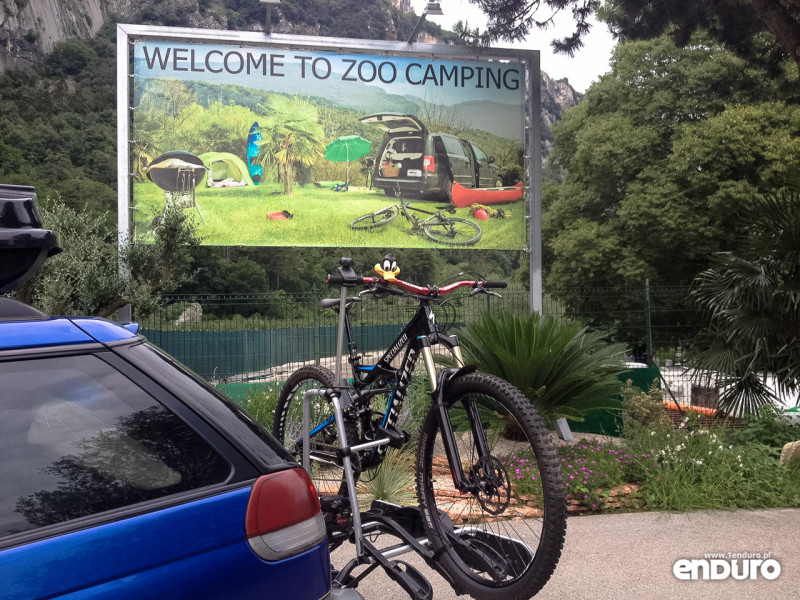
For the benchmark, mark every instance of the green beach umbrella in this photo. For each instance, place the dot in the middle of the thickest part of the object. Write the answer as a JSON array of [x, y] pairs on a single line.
[[345, 149]]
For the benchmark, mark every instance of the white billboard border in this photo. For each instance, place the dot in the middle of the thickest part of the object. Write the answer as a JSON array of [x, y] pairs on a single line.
[[530, 59]]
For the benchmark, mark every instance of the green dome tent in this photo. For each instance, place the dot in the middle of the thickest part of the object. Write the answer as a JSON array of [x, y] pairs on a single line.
[[225, 170]]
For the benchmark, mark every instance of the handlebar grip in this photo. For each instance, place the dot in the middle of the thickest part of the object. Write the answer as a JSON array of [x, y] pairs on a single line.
[[334, 279], [495, 284], [345, 275], [340, 279]]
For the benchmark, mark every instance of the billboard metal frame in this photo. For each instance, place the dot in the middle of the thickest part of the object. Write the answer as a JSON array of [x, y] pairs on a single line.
[[127, 35]]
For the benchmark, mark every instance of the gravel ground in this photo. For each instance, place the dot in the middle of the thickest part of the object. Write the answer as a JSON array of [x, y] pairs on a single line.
[[631, 555]]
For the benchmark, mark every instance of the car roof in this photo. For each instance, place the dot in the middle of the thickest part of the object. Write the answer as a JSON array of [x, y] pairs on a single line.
[[24, 327]]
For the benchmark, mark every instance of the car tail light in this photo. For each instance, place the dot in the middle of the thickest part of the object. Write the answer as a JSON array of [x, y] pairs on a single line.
[[283, 515], [429, 164]]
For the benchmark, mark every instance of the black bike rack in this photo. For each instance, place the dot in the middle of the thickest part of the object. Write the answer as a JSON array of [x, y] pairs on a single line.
[[402, 522], [486, 551]]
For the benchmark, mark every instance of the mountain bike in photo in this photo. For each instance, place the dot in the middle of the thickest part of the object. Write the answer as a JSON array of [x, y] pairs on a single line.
[[490, 496], [436, 226]]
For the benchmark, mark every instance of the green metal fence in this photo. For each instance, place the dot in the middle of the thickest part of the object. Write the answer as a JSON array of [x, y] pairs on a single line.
[[657, 323], [248, 337], [243, 337]]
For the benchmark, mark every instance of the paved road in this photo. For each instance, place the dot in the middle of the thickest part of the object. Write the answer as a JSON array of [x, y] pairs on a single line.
[[631, 556]]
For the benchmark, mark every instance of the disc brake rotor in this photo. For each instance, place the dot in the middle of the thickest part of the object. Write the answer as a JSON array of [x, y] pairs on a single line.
[[493, 484]]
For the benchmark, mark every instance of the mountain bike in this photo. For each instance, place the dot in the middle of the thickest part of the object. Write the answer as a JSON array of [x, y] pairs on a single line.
[[489, 488], [437, 227]]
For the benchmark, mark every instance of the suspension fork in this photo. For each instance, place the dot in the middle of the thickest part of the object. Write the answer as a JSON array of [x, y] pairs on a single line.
[[439, 384]]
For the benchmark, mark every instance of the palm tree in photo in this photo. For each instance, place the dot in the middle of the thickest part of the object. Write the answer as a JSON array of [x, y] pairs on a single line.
[[291, 136]]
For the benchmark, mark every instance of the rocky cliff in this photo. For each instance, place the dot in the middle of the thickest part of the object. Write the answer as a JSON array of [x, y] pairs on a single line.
[[30, 28], [557, 96]]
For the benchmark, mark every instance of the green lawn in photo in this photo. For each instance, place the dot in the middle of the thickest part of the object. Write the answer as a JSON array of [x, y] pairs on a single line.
[[238, 217]]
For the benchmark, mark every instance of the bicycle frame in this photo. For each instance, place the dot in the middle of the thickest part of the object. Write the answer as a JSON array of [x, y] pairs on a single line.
[[407, 210], [417, 337]]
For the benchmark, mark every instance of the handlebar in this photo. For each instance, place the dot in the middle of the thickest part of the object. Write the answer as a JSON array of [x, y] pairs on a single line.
[[340, 279], [347, 277]]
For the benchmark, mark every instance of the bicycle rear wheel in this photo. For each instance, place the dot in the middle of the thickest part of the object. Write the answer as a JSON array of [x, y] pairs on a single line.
[[377, 219], [326, 466], [501, 536], [452, 231]]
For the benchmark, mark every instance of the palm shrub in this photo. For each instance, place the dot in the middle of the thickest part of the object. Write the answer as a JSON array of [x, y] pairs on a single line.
[[752, 300], [561, 366]]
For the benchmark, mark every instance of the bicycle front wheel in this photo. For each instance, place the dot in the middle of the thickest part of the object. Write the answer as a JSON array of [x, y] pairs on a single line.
[[452, 231], [326, 465], [376, 219], [500, 536]]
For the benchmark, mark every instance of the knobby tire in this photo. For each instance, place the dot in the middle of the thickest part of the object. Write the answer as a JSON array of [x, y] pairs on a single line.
[[452, 231], [518, 492], [377, 219], [287, 426]]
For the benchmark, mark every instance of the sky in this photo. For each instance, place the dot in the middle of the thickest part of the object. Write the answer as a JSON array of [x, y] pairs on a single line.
[[582, 69]]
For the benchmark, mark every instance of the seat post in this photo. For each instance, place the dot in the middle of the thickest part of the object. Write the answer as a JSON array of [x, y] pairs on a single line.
[[340, 338]]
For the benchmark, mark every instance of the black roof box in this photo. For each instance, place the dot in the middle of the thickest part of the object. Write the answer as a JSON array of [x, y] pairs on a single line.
[[24, 245]]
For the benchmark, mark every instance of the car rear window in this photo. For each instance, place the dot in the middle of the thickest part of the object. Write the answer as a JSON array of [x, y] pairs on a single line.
[[78, 438]]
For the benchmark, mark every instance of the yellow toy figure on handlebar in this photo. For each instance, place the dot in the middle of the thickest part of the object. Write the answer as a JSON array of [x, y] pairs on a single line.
[[388, 269]]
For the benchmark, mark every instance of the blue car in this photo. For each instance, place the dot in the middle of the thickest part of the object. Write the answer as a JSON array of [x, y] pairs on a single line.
[[124, 476]]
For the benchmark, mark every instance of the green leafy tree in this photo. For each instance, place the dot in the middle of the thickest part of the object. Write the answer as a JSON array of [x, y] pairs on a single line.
[[512, 20], [70, 57], [58, 124], [561, 366], [761, 30], [292, 136], [659, 157], [84, 279], [247, 277], [752, 299]]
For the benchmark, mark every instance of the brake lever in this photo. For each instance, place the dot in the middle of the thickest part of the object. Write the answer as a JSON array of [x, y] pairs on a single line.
[[482, 290], [376, 291]]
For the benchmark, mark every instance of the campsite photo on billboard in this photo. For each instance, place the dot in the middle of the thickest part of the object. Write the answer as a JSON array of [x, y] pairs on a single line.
[[278, 146]]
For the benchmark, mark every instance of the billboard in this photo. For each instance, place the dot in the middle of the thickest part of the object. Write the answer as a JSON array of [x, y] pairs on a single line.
[[271, 140]]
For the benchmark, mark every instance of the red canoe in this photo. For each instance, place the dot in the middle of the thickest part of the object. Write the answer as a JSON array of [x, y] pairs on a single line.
[[463, 197]]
